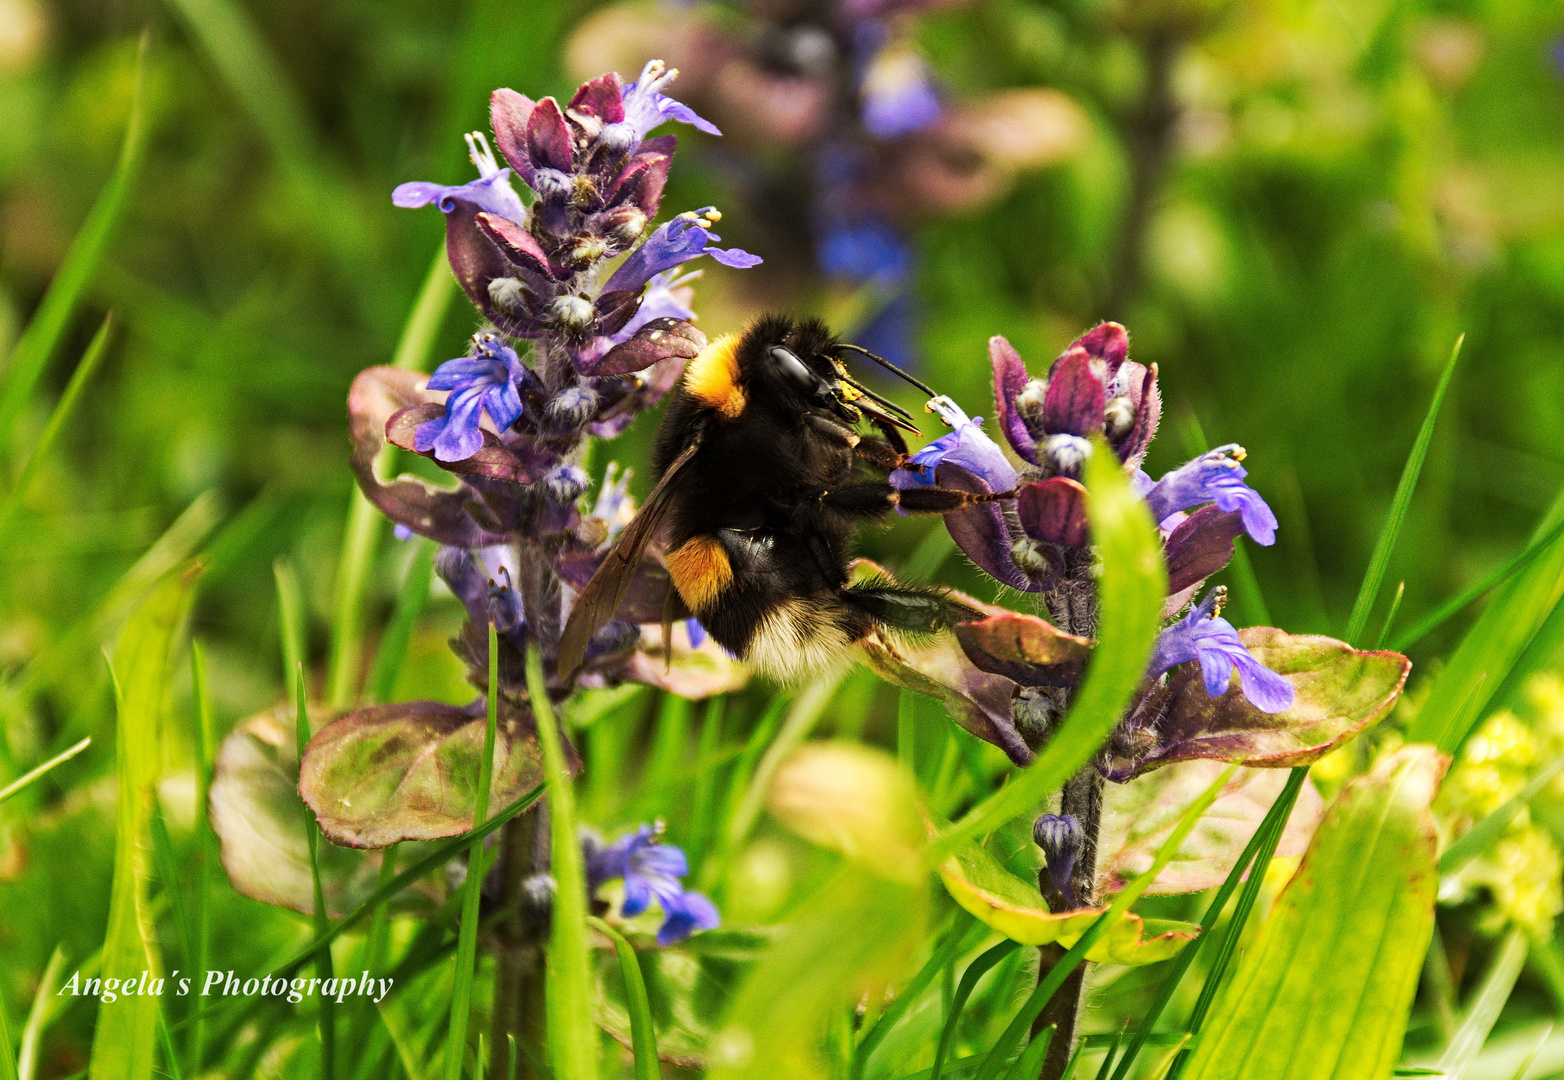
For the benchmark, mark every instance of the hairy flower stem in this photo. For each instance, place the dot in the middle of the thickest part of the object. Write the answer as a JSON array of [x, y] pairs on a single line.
[[519, 973]]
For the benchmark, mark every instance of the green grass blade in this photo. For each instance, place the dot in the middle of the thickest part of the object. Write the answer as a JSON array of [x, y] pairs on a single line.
[[398, 636], [1030, 1063], [1490, 828], [48, 324], [1494, 644], [1486, 1006], [643, 1035], [965, 934], [969, 980], [290, 622], [1050, 983], [206, 743], [704, 798], [1131, 589], [26, 780], [168, 877], [1386, 544], [124, 1042], [801, 720], [322, 921], [1390, 616], [170, 1059], [1274, 821], [64, 409], [39, 1016], [7, 1057], [572, 1038], [472, 888], [416, 345], [1246, 902]]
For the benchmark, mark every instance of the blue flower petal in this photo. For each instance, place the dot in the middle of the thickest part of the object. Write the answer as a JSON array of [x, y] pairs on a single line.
[[690, 913], [1216, 477]]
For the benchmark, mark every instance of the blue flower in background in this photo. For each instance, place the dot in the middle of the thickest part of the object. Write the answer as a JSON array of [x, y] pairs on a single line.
[[676, 242], [487, 382], [896, 90], [1216, 477], [652, 869], [1205, 636]]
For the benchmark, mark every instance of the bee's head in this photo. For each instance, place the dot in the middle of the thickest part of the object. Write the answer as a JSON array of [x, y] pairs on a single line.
[[800, 363]]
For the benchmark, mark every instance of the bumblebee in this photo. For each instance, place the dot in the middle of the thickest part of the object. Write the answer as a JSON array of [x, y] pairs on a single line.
[[764, 476]]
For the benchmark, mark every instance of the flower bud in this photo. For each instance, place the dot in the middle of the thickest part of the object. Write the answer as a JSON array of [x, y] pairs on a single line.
[[566, 484], [1118, 417], [1064, 455], [617, 137], [1034, 713], [624, 225], [1029, 403], [586, 250], [572, 314], [552, 184], [509, 295], [1061, 838], [573, 408], [1033, 558]]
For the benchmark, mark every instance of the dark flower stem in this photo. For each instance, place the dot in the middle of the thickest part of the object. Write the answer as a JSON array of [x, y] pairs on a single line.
[[1148, 137], [519, 973]]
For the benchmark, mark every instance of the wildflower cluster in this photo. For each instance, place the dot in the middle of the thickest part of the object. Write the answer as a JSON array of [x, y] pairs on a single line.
[[649, 870], [1518, 877]]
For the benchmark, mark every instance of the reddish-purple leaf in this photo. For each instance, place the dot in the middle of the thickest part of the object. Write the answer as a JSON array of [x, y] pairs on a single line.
[[1024, 649], [657, 340], [1200, 546], [1054, 511], [519, 245], [602, 97], [508, 113], [548, 137], [1009, 380], [1074, 401]]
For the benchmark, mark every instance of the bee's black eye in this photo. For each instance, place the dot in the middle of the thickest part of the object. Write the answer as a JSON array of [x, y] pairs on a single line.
[[794, 371]]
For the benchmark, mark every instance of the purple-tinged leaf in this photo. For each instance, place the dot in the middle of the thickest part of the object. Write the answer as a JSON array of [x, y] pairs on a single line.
[[377, 394], [519, 245], [1108, 342], [616, 309], [1138, 817], [496, 460], [1074, 402], [257, 816], [656, 341], [1009, 380], [1139, 384], [601, 98], [1054, 510], [1024, 649], [475, 258], [387, 773], [1201, 545], [508, 114], [641, 182], [981, 532], [1337, 692], [548, 137], [643, 603]]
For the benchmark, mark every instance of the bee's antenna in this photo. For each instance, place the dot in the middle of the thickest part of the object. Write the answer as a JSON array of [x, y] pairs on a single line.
[[872, 396], [887, 365]]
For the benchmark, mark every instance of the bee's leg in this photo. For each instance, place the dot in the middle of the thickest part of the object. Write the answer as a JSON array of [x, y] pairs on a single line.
[[917, 611], [885, 453], [874, 500]]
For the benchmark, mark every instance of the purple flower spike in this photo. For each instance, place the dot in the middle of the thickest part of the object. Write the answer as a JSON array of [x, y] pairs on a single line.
[[965, 445], [652, 869], [675, 242], [646, 106], [491, 191], [1216, 477], [488, 382], [1205, 636]]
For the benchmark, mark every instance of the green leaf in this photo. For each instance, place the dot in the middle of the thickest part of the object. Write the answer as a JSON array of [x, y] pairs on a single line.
[[1486, 1005], [46, 1005], [572, 1039], [1131, 589], [255, 811], [387, 773], [472, 889], [1139, 816], [124, 1041], [1492, 646], [1325, 990], [50, 322], [969, 980], [643, 1036], [1369, 590], [1337, 692], [977, 881], [32, 776]]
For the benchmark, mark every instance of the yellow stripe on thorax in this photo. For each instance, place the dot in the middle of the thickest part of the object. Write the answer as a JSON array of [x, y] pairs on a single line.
[[712, 377], [700, 571]]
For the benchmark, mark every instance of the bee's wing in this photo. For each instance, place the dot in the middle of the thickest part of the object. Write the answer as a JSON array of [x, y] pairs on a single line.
[[606, 591]]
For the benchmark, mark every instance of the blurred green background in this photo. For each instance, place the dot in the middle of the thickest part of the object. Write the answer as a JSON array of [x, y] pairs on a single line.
[[1346, 187]]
